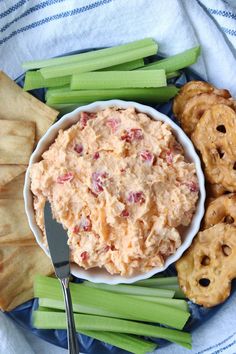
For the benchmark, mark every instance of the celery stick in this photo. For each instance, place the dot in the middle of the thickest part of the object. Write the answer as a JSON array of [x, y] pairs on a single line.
[[77, 307], [179, 304], [34, 80], [118, 79], [145, 95], [127, 342], [123, 306], [175, 62], [156, 282], [67, 108], [131, 290], [53, 90], [179, 294], [96, 54], [57, 320], [131, 65], [98, 63], [173, 74]]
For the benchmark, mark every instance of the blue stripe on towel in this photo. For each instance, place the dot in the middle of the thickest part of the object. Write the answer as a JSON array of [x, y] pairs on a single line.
[[229, 31], [55, 17], [221, 350], [13, 8], [222, 13], [217, 345], [40, 6]]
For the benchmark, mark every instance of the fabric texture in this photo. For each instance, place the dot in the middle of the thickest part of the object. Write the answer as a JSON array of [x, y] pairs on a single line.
[[45, 28]]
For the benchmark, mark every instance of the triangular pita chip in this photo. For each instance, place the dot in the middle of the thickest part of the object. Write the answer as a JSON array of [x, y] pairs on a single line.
[[16, 141], [19, 105], [14, 228], [9, 172], [14, 189], [18, 267]]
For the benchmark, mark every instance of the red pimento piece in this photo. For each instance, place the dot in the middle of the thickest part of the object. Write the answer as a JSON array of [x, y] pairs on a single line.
[[96, 155], [125, 213], [85, 223], [113, 124], [79, 148], [193, 186], [84, 255], [76, 229], [67, 177], [136, 197], [147, 157], [169, 157], [84, 117], [132, 134], [98, 180]]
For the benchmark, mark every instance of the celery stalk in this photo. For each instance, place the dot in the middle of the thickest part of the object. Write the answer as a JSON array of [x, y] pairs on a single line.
[[34, 80], [173, 74], [156, 282], [175, 62], [127, 342], [123, 306], [130, 65], [67, 108], [98, 63], [118, 79], [145, 95], [96, 54], [131, 290], [179, 304], [57, 320]]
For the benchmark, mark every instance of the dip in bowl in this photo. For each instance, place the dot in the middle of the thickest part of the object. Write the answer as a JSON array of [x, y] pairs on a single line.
[[126, 184]]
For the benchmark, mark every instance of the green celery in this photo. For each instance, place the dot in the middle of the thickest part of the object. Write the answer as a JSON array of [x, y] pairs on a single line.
[[92, 299], [67, 108], [145, 95], [57, 320], [127, 342], [118, 79], [179, 304], [132, 290], [156, 282], [53, 90], [98, 63], [35, 80], [173, 74], [96, 54], [175, 62], [130, 65]]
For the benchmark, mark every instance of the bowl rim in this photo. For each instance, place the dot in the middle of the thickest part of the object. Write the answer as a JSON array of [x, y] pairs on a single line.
[[96, 275]]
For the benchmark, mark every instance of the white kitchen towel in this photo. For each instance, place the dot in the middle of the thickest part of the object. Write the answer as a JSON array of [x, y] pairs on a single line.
[[41, 29]]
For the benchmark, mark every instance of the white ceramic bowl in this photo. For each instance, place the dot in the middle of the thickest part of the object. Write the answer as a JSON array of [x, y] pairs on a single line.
[[101, 275]]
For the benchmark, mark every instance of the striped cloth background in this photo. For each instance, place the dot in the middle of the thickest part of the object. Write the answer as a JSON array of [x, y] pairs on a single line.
[[34, 29]]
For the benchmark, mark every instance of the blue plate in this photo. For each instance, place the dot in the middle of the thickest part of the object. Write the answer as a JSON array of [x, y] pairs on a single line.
[[23, 314]]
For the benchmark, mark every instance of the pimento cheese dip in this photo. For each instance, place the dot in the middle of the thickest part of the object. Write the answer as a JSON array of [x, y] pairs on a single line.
[[120, 185]]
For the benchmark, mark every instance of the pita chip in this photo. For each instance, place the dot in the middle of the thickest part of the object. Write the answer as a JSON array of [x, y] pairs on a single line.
[[16, 141], [14, 228], [19, 105], [18, 267], [13, 189], [9, 172]]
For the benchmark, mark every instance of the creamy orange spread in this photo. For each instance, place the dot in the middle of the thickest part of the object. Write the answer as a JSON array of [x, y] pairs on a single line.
[[120, 185]]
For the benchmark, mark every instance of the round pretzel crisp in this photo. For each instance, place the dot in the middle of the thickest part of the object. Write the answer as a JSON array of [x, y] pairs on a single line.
[[215, 190], [193, 88], [215, 138], [206, 270], [196, 107], [221, 210]]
